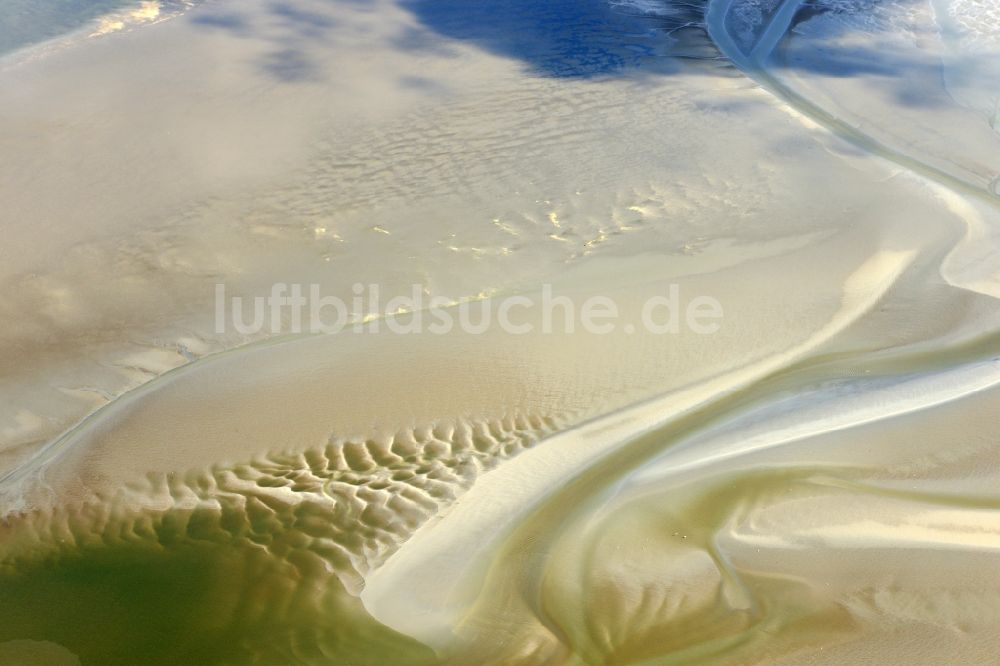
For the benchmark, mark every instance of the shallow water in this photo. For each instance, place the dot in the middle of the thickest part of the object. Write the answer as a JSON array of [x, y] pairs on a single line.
[[42, 23], [30, 21]]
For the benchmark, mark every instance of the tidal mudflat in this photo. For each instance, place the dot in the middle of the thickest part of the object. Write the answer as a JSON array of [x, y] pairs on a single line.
[[721, 379]]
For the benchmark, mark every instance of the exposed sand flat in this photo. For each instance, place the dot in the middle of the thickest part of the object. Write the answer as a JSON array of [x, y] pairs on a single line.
[[440, 557], [175, 208], [488, 203], [814, 482], [637, 556]]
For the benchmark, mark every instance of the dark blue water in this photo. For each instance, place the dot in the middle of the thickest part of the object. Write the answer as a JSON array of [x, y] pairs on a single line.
[[569, 38]]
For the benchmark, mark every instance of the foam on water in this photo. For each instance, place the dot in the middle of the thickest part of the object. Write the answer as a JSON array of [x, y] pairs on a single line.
[[970, 31], [748, 18], [899, 17], [642, 7], [979, 20]]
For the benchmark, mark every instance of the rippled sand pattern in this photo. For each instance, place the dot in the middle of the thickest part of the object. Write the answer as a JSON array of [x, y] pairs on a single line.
[[310, 525]]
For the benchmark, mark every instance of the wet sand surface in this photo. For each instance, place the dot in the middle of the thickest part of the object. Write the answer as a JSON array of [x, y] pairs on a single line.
[[814, 482]]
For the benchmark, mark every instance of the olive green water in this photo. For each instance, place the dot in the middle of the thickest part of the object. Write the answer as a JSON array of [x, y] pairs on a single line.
[[191, 603]]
